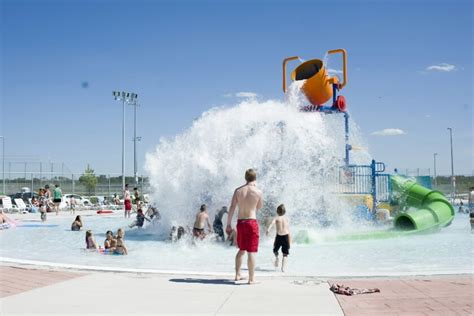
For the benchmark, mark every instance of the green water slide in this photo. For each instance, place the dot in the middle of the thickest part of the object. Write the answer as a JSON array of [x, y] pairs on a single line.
[[427, 209]]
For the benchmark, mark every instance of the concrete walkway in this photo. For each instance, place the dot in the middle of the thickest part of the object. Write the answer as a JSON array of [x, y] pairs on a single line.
[[50, 291], [123, 293]]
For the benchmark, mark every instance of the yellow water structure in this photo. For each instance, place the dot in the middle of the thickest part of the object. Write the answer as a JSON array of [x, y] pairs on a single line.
[[355, 200]]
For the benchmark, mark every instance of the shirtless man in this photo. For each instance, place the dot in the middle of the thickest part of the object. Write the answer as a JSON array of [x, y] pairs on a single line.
[[249, 199], [201, 219], [127, 201], [282, 238]]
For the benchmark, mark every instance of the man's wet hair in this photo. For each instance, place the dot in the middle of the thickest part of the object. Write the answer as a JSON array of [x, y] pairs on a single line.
[[203, 207], [250, 175], [281, 210]]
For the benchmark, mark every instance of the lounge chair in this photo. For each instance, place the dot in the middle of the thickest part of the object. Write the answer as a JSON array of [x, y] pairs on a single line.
[[7, 205], [21, 206]]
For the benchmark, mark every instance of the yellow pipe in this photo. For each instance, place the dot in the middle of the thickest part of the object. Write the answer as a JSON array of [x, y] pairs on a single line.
[[344, 64], [284, 70]]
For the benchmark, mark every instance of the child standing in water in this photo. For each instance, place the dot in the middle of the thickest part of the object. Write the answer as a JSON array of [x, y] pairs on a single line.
[[42, 204], [282, 238], [72, 204], [136, 196]]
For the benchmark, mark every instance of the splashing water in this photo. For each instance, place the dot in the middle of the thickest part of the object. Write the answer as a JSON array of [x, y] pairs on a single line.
[[296, 156]]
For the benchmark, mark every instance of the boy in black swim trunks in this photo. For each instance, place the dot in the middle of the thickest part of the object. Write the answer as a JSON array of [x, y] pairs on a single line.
[[282, 238], [201, 219]]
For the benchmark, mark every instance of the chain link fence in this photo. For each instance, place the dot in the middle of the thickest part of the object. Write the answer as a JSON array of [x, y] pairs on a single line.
[[107, 185]]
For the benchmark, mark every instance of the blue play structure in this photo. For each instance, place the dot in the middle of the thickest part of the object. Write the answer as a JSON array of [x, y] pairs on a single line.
[[366, 180]]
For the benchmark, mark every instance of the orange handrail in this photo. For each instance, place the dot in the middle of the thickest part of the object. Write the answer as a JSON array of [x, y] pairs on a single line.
[[284, 70], [344, 64]]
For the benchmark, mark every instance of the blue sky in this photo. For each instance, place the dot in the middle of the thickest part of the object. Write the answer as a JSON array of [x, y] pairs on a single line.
[[410, 68]]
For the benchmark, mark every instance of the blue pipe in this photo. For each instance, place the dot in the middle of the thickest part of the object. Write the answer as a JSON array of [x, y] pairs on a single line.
[[373, 184], [346, 137]]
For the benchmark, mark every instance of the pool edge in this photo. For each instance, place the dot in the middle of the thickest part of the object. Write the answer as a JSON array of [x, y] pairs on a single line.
[[45, 264]]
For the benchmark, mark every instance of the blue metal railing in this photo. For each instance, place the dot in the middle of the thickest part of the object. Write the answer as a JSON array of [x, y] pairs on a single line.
[[354, 179], [365, 179]]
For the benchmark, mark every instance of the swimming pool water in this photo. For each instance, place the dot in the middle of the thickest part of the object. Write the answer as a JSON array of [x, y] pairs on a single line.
[[449, 251]]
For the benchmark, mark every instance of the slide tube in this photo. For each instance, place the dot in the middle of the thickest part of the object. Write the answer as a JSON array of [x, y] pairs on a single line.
[[427, 209]]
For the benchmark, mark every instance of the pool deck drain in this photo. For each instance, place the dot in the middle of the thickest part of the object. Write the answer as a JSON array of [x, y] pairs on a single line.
[[55, 291]]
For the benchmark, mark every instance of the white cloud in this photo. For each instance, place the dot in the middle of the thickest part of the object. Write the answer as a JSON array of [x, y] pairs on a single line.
[[389, 132], [334, 71], [443, 67], [242, 94], [246, 95]]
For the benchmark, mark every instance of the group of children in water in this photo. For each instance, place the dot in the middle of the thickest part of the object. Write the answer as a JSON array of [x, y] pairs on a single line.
[[114, 244], [281, 223], [198, 230]]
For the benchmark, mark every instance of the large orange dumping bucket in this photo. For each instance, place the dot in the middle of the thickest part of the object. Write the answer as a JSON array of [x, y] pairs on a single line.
[[318, 86]]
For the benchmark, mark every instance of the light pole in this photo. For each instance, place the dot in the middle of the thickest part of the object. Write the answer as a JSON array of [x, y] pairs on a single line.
[[453, 179], [3, 163], [434, 172], [135, 140], [125, 97], [135, 104]]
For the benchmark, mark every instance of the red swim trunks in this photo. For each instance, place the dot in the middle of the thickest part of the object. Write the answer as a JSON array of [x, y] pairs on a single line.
[[247, 234], [128, 205]]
